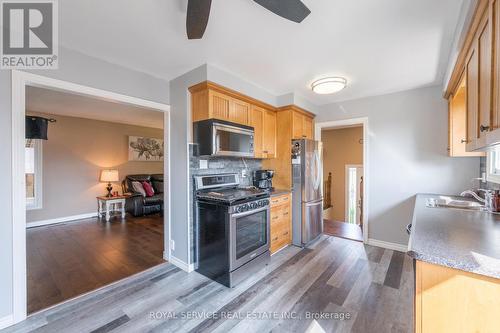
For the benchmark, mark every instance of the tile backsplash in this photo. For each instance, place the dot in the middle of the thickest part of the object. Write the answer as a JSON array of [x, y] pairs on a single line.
[[216, 165]]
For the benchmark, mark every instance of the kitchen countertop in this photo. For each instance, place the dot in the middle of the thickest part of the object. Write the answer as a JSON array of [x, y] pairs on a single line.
[[462, 239], [279, 191]]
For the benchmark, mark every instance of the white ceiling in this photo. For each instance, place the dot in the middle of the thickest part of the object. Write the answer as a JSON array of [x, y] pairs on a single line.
[[72, 105], [380, 46]]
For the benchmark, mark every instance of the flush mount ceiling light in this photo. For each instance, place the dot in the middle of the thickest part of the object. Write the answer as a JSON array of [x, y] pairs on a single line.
[[328, 85]]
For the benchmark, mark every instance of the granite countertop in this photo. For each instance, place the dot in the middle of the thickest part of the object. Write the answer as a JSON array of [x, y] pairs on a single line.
[[279, 191], [462, 239]]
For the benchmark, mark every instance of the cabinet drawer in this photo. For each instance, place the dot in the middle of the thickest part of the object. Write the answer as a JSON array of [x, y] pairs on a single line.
[[279, 200]]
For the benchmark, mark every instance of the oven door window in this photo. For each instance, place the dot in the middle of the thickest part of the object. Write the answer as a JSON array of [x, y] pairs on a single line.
[[235, 142], [251, 233]]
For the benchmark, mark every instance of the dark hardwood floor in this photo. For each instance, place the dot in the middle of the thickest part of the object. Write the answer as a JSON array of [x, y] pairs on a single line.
[[67, 260], [335, 285], [343, 230]]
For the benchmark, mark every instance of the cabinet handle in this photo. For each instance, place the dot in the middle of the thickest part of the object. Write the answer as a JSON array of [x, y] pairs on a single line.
[[464, 141], [265, 151], [285, 214], [483, 128], [275, 239], [275, 217]]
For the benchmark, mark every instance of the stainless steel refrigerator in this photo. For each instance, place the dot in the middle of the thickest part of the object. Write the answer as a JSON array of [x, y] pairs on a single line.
[[307, 187]]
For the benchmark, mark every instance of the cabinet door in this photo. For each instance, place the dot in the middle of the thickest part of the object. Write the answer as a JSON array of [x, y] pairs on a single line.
[[257, 121], [484, 60], [308, 128], [269, 135], [495, 28], [239, 112], [297, 125], [457, 126], [472, 88], [219, 105]]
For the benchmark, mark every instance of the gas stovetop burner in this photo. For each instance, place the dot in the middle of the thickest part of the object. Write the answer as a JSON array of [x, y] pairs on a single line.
[[231, 195]]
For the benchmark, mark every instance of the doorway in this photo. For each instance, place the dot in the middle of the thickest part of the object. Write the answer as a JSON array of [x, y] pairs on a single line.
[[345, 180], [21, 83]]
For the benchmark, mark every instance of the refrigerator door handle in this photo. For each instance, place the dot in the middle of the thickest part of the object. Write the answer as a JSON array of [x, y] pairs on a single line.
[[318, 170], [316, 203]]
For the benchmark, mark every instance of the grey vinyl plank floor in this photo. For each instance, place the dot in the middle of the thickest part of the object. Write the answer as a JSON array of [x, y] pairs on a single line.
[[335, 285]]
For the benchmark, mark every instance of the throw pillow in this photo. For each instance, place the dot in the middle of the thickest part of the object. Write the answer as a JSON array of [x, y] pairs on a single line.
[[148, 188], [139, 188]]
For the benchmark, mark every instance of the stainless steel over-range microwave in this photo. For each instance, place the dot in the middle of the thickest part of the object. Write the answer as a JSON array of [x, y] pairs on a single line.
[[222, 138]]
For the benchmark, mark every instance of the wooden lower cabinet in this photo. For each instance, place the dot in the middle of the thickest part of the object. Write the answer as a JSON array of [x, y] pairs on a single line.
[[281, 222], [451, 300]]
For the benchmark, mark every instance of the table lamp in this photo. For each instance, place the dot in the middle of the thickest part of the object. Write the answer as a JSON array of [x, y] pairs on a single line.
[[109, 176]]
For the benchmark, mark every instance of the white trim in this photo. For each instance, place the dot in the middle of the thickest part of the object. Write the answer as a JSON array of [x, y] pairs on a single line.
[[181, 264], [19, 82], [6, 321], [366, 160], [346, 172], [388, 245], [491, 177], [60, 220]]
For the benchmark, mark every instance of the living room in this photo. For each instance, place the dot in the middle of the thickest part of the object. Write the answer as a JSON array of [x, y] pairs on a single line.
[[106, 221]]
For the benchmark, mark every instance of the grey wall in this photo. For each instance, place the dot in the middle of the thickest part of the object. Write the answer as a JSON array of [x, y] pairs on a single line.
[[78, 68], [73, 157], [180, 117], [407, 155]]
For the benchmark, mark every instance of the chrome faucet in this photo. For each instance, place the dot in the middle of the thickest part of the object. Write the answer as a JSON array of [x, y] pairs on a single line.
[[474, 195], [488, 196]]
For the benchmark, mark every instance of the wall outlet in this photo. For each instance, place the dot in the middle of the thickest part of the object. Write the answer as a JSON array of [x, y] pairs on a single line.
[[172, 245], [203, 164], [244, 173]]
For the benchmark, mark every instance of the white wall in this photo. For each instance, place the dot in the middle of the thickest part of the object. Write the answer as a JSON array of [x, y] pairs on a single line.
[[73, 67], [407, 155]]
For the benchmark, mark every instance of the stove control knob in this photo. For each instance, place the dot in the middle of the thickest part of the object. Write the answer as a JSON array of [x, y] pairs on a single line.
[[265, 202], [253, 205]]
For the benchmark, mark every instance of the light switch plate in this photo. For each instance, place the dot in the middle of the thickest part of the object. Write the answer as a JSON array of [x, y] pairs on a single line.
[[203, 164]]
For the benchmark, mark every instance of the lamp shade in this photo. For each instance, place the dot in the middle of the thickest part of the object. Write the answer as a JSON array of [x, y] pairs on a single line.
[[108, 176]]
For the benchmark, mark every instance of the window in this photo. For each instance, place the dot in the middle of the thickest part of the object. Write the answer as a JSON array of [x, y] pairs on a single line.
[[33, 172], [352, 196]]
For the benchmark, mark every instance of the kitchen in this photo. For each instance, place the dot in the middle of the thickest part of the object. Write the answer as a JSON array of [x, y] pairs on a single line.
[[237, 158]]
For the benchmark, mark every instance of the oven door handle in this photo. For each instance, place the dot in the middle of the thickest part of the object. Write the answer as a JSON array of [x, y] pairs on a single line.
[[249, 212]]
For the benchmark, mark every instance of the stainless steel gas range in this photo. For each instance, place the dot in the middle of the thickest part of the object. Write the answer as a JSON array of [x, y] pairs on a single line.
[[232, 228]]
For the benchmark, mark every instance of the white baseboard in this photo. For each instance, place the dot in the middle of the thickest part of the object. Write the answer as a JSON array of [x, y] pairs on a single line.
[[388, 245], [6, 321], [181, 264], [61, 220]]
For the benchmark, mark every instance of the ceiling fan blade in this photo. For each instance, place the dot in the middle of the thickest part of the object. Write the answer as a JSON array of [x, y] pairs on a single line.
[[198, 12], [293, 10]]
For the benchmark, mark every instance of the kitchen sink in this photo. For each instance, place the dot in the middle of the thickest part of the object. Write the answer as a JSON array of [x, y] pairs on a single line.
[[449, 202]]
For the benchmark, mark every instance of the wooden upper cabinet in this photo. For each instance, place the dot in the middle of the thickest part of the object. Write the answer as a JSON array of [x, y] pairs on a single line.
[[264, 123], [269, 134], [484, 47], [457, 112], [208, 103], [472, 98], [302, 126], [257, 122], [219, 105], [239, 111], [308, 128], [298, 125]]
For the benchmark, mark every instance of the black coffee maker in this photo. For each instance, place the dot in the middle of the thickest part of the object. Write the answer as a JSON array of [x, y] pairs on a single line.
[[263, 179]]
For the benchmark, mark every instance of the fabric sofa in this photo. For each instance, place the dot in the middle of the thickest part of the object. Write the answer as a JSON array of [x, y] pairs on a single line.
[[139, 205]]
